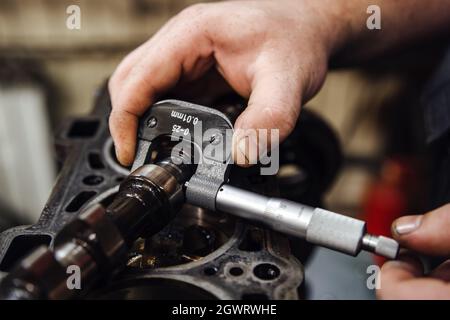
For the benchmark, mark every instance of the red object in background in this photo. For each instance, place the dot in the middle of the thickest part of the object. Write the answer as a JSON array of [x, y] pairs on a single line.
[[388, 198]]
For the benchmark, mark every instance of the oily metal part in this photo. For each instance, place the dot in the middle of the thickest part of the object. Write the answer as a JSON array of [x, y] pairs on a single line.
[[84, 147], [228, 272]]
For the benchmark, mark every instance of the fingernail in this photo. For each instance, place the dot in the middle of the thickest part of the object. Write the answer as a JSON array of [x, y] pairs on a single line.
[[242, 147], [407, 224], [249, 150]]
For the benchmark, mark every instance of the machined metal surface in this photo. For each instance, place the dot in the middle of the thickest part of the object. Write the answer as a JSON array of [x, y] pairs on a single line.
[[247, 262], [281, 215], [203, 127], [317, 226]]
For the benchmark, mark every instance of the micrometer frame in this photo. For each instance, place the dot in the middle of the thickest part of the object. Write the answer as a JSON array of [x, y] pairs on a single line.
[[203, 127]]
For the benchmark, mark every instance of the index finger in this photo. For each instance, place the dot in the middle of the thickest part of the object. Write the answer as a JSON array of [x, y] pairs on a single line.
[[169, 56], [404, 279]]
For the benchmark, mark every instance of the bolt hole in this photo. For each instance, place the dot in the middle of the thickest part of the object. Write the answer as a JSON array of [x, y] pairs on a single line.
[[266, 271], [80, 200], [95, 162], [210, 271], [83, 129], [20, 246], [236, 271], [93, 180]]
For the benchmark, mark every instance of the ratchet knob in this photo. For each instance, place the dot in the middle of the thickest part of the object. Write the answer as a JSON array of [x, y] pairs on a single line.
[[380, 245]]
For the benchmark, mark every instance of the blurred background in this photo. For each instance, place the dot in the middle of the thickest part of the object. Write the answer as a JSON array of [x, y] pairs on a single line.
[[49, 72]]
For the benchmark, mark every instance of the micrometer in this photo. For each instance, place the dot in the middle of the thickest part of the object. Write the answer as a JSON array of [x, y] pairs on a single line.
[[210, 134], [183, 155]]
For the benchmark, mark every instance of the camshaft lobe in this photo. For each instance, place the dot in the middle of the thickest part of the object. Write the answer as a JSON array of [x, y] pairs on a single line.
[[98, 239]]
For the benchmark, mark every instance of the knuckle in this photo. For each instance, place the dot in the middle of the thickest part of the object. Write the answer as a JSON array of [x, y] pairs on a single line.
[[194, 12], [258, 13], [191, 24]]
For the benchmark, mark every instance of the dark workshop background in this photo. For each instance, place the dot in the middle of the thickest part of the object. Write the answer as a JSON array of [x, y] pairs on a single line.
[[48, 72]]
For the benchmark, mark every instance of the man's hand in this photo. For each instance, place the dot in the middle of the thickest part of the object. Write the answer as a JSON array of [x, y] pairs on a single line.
[[273, 52], [404, 278]]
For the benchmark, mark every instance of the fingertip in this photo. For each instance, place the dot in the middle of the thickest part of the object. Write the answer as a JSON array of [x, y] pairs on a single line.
[[123, 127], [407, 265], [425, 233], [124, 156]]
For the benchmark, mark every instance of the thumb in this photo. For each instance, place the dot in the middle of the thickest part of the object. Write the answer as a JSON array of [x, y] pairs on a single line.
[[270, 116], [428, 233]]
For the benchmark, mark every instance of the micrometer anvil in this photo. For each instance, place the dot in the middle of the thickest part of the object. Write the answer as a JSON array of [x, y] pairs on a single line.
[[208, 187]]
